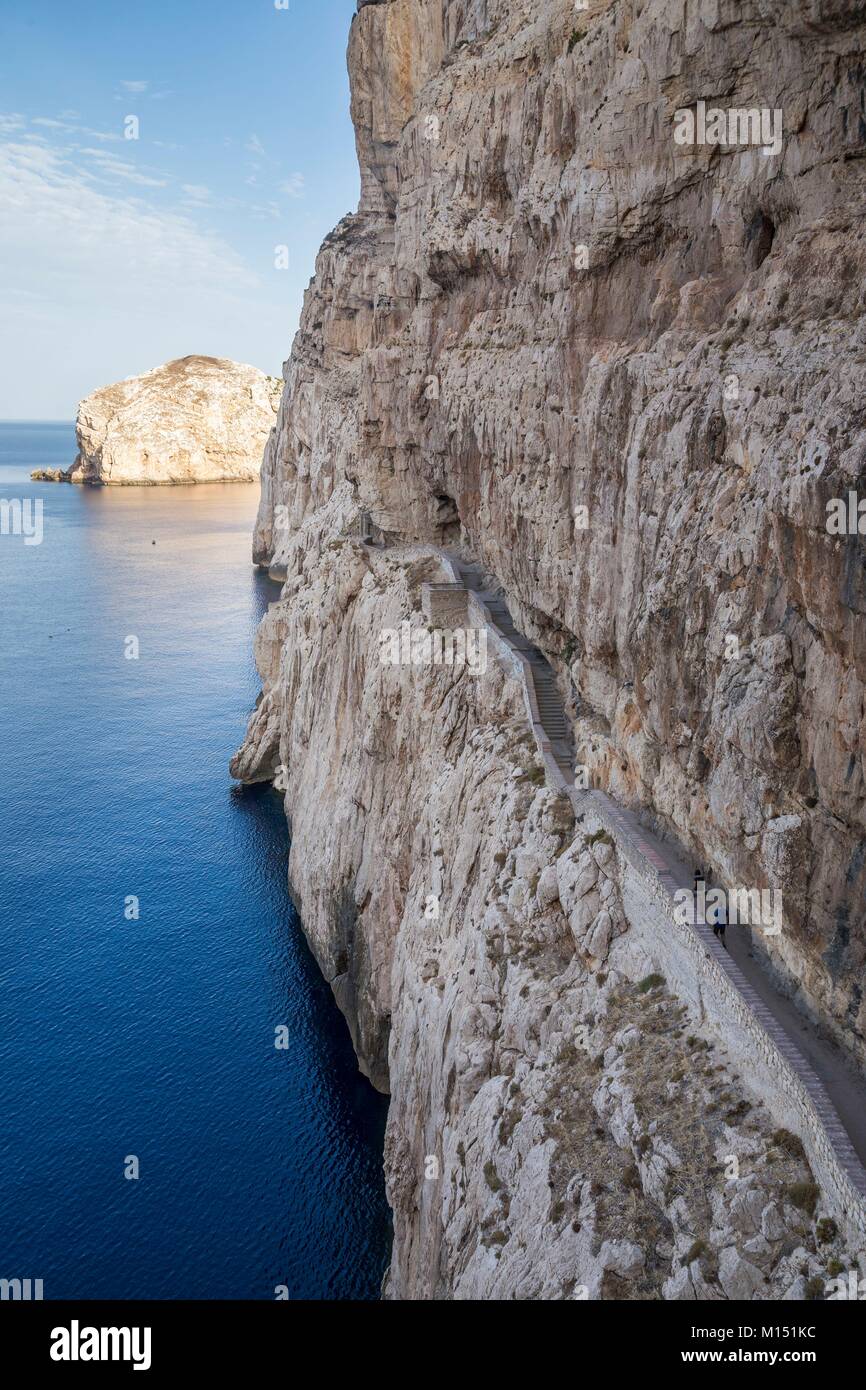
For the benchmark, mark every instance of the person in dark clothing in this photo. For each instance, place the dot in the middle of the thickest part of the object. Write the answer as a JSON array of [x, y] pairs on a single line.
[[720, 921]]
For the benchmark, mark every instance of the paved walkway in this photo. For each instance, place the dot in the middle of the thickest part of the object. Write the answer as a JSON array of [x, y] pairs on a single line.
[[550, 706], [807, 1051]]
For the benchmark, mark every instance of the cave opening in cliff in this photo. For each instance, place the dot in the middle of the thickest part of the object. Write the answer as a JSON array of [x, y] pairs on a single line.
[[760, 234], [447, 520]]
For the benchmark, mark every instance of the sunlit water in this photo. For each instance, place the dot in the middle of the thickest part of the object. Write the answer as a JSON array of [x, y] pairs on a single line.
[[155, 1038]]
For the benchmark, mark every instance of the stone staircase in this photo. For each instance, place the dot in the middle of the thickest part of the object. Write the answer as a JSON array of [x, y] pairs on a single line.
[[550, 704]]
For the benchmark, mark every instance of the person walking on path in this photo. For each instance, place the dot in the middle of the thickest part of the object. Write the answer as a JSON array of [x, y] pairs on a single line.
[[719, 912]]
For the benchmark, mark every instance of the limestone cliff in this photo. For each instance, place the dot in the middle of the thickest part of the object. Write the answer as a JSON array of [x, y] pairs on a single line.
[[626, 374], [194, 420], [561, 1124]]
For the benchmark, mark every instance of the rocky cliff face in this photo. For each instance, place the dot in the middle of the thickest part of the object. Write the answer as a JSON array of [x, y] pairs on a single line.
[[195, 420], [624, 372], [561, 1125]]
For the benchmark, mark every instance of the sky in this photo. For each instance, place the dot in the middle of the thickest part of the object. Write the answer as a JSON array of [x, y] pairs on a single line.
[[117, 253]]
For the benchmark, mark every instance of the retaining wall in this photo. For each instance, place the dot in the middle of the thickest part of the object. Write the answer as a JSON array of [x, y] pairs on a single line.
[[445, 605]]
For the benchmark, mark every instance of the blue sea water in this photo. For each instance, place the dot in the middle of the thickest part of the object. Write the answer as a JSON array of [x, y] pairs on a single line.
[[155, 1038]]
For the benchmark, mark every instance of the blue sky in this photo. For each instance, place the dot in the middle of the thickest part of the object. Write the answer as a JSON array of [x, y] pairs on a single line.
[[118, 254]]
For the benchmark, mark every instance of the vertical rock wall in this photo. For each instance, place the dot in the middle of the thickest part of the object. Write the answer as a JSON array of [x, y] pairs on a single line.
[[627, 374], [697, 388]]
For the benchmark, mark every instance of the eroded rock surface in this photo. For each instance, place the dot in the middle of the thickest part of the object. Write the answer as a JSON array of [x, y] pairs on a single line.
[[194, 420], [543, 305], [561, 1126]]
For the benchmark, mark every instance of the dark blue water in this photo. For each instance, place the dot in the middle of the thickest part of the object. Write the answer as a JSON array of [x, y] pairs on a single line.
[[155, 1038]]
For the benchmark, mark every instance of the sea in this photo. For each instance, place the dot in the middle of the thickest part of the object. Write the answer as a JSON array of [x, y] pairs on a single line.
[[155, 1141]]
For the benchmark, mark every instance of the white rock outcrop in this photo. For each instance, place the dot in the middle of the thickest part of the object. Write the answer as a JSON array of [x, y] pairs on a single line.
[[193, 420]]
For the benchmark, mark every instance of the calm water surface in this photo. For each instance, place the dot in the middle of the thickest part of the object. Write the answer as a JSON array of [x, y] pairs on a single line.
[[155, 1037]]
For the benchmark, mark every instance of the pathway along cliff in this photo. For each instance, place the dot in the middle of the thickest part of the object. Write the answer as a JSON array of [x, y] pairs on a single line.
[[623, 373], [845, 1086]]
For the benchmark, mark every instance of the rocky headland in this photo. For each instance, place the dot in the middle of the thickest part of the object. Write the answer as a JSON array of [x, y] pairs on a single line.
[[193, 420]]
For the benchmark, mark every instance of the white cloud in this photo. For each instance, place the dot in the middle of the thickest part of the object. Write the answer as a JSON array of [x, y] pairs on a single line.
[[33, 158], [110, 278], [255, 146], [197, 193], [68, 126], [136, 87], [293, 186], [98, 134], [70, 240], [112, 167], [262, 212]]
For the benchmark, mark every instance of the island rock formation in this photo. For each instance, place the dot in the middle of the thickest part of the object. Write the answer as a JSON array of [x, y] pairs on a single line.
[[194, 420]]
